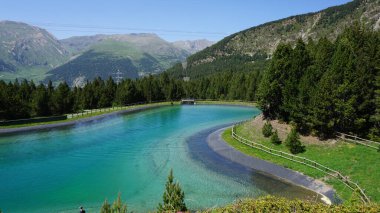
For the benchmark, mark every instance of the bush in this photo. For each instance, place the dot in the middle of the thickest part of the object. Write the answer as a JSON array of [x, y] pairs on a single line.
[[267, 129], [293, 143], [274, 138]]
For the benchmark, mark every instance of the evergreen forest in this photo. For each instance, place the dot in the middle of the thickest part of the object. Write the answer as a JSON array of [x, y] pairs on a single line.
[[321, 86]]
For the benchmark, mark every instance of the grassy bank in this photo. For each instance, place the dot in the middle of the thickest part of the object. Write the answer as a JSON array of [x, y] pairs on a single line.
[[94, 113], [360, 163], [273, 204]]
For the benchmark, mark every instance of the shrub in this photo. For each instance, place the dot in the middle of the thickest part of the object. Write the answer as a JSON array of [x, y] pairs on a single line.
[[267, 129], [293, 143], [274, 138], [277, 204]]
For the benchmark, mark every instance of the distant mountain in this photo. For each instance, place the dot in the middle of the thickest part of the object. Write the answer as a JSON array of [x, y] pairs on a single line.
[[26, 48], [193, 46], [249, 49], [32, 53], [134, 55]]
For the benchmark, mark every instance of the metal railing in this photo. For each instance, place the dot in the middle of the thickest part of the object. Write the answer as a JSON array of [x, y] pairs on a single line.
[[302, 160]]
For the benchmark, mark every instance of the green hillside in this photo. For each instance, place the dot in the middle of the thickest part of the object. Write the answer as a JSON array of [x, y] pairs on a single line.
[[25, 48], [252, 47], [29, 52], [134, 55]]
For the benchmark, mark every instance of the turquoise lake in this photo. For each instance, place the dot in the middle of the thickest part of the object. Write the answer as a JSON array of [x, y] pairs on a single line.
[[62, 169]]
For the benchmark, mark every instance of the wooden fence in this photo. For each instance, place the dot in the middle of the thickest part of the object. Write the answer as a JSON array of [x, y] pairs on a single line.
[[357, 140], [307, 162], [109, 109]]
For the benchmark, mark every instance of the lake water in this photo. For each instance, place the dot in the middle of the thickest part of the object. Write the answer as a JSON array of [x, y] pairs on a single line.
[[60, 170]]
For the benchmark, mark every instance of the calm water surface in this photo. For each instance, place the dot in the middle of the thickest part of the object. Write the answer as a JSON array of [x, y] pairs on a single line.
[[60, 170]]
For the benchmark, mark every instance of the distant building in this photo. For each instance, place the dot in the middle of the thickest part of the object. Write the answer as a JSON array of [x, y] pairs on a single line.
[[188, 101]]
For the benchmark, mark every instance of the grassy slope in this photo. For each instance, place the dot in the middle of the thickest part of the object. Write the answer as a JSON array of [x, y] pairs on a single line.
[[118, 49], [361, 164], [273, 204], [36, 73]]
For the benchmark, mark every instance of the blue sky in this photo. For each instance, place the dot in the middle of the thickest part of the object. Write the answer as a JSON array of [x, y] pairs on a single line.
[[170, 19]]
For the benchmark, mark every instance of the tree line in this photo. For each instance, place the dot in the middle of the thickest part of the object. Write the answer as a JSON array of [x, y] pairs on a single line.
[[25, 99], [320, 86], [323, 87]]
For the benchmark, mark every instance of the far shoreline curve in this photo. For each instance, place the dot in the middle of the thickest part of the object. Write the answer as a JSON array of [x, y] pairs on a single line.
[[16, 130], [62, 124]]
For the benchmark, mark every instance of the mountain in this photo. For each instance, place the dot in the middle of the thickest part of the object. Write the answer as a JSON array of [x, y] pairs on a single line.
[[250, 48], [25, 48], [193, 46], [33, 53], [134, 55]]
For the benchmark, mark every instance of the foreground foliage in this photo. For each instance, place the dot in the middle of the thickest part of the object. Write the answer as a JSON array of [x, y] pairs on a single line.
[[173, 197], [274, 204], [117, 207]]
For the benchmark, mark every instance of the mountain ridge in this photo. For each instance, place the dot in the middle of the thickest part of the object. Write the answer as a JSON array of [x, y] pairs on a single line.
[[256, 44], [33, 53], [24, 46]]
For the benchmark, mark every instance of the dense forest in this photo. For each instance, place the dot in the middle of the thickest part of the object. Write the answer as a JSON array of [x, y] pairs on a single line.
[[221, 64], [320, 86], [325, 86], [25, 99]]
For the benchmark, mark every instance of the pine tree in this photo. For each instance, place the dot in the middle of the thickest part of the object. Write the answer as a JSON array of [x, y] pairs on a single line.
[[117, 207], [173, 197], [293, 143], [40, 101], [267, 129], [274, 138], [106, 207]]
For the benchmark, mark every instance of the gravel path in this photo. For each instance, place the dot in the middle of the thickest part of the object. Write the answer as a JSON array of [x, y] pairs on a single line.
[[216, 142]]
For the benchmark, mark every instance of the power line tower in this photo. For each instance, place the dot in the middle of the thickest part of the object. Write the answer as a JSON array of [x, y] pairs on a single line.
[[184, 66], [118, 76]]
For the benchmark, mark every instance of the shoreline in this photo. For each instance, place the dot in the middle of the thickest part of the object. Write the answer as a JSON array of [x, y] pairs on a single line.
[[41, 127], [218, 145], [17, 130]]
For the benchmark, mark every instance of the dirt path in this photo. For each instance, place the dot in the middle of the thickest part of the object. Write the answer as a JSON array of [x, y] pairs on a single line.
[[283, 130]]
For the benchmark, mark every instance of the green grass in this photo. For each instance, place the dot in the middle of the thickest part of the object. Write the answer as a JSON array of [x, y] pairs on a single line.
[[104, 111], [36, 74], [119, 49], [276, 204], [360, 163]]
